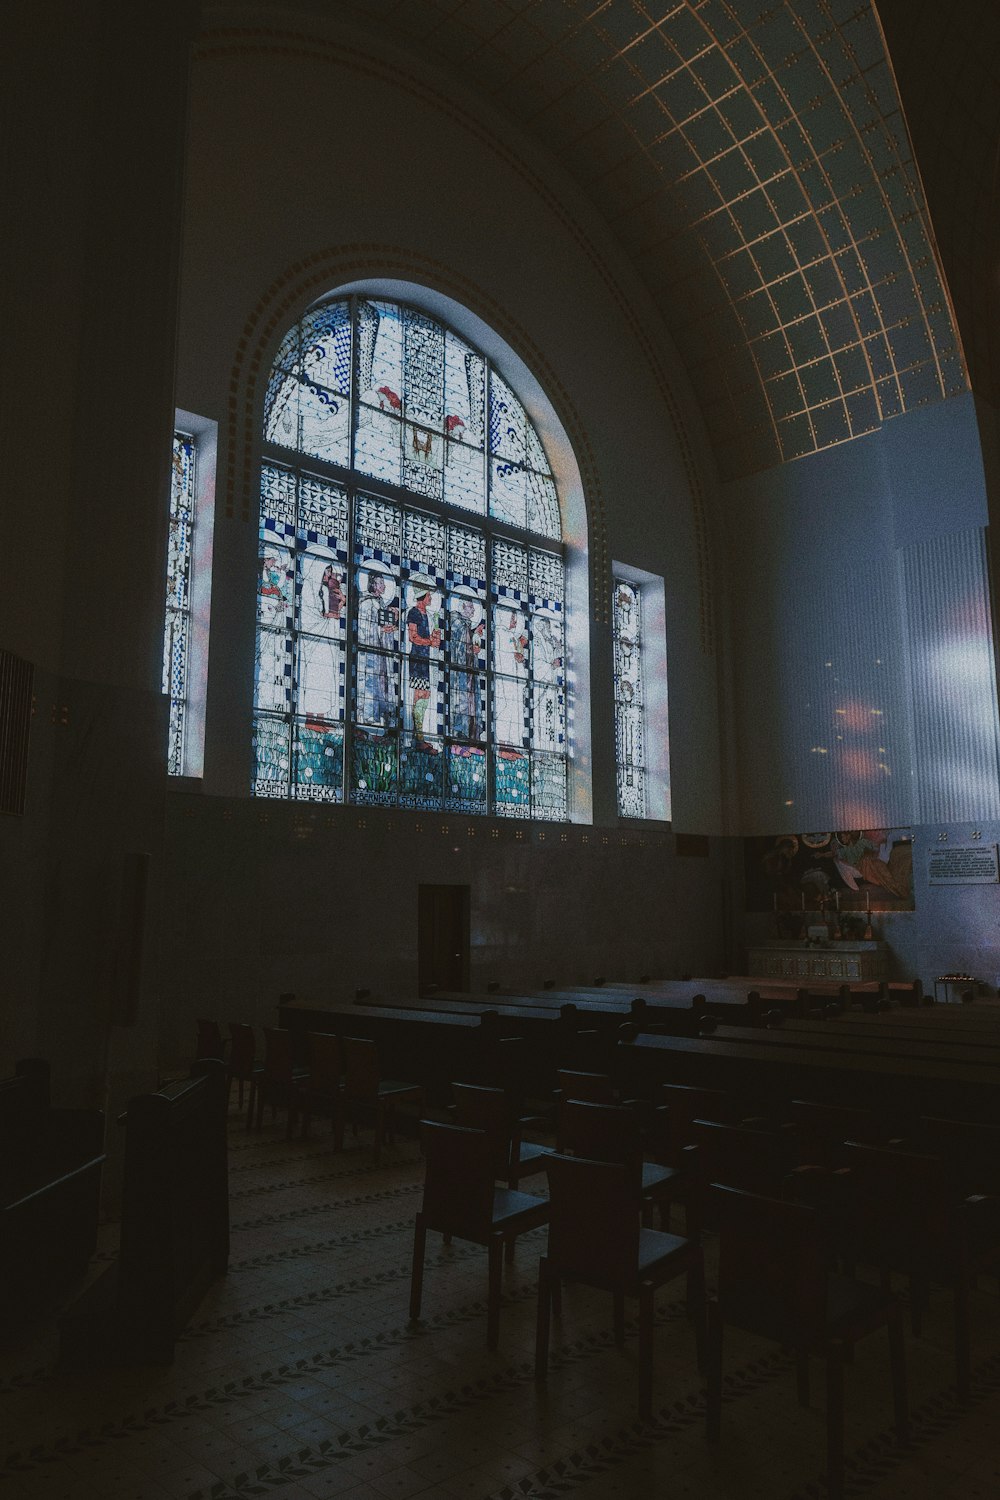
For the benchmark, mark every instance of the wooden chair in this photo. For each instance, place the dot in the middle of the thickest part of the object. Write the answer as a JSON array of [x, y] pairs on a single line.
[[680, 1105], [595, 1238], [478, 1108], [611, 1132], [364, 1087], [210, 1040], [243, 1065], [280, 1081], [325, 1083], [772, 1281], [908, 1214], [461, 1201]]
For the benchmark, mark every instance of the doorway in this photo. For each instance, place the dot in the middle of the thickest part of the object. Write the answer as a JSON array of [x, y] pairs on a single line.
[[442, 938]]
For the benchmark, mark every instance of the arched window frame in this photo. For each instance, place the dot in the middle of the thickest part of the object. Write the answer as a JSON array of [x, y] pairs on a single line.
[[499, 358]]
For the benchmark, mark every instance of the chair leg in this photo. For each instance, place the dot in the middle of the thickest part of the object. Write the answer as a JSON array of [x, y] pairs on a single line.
[[835, 1422], [713, 1361], [379, 1130], [645, 1351], [493, 1301], [897, 1364], [963, 1350], [619, 1318], [696, 1303], [802, 1376], [546, 1285], [339, 1121], [508, 1253], [417, 1270], [555, 1293]]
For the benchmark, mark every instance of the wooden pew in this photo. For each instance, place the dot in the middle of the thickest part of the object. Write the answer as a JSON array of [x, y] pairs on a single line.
[[833, 1039], [771, 1074], [175, 1226], [50, 1186]]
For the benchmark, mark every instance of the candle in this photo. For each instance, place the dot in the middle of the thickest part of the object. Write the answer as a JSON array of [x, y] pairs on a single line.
[[868, 901], [803, 900], [836, 900]]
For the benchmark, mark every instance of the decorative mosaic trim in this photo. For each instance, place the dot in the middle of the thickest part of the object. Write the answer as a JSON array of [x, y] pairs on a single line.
[[310, 1209]]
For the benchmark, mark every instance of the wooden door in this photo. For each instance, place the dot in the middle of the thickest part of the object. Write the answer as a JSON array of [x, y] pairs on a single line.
[[443, 938]]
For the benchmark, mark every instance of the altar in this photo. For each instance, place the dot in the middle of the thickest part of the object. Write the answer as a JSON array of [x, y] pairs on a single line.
[[843, 962]]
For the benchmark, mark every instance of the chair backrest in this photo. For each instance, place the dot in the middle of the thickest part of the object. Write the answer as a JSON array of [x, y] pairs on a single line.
[[361, 1067], [754, 1160], [210, 1043], [685, 1104], [899, 1200], [600, 1132], [242, 1049], [772, 1276], [325, 1063], [822, 1129], [277, 1054], [594, 1088], [593, 1220], [458, 1181], [479, 1108]]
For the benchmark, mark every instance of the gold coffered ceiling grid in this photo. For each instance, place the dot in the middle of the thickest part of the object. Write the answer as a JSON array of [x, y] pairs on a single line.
[[754, 162]]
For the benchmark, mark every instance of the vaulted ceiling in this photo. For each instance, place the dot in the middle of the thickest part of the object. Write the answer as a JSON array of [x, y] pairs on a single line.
[[754, 162]]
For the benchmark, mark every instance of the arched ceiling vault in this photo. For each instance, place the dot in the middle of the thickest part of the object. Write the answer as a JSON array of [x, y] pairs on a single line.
[[754, 163]]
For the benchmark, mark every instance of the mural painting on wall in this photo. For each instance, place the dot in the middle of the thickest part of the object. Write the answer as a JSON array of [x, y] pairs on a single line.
[[846, 871]]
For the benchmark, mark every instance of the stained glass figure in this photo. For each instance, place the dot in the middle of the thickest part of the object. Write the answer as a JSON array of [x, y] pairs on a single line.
[[629, 717], [177, 622], [406, 657]]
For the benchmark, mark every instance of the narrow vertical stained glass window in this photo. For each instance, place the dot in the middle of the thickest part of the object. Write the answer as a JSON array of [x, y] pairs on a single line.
[[410, 628], [630, 726], [177, 625]]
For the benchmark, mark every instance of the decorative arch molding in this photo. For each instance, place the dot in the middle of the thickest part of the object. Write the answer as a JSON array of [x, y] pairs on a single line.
[[308, 278]]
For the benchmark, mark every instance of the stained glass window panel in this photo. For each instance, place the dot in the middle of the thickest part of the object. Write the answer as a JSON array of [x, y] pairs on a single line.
[[423, 698], [273, 671], [548, 717], [510, 712], [423, 371], [511, 645], [324, 424], [466, 629], [464, 392], [512, 784], [548, 787], [177, 619], [272, 760], [507, 421], [322, 512], [465, 477], [377, 691], [373, 768], [277, 496], [326, 347], [319, 761], [321, 590], [542, 505], [466, 787], [448, 640], [508, 492], [467, 706], [380, 355], [377, 445], [629, 718], [467, 556], [320, 679], [275, 580], [421, 772], [547, 648], [425, 541]]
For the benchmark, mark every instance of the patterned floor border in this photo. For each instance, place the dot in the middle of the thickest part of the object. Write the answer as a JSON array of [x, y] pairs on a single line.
[[215, 1397], [310, 1210]]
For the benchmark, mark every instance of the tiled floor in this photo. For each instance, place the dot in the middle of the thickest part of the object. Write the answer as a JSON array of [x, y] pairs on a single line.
[[300, 1377]]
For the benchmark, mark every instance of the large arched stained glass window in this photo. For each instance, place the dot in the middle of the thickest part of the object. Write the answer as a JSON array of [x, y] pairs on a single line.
[[411, 600]]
